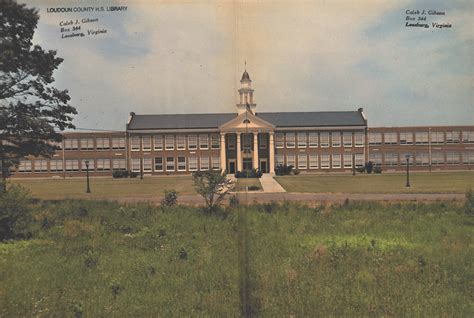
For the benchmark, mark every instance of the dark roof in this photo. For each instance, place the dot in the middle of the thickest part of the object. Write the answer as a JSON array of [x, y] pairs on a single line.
[[308, 119], [245, 76], [179, 121]]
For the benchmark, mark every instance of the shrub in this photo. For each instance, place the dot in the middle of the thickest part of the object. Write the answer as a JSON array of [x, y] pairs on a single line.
[[469, 205], [249, 174], [133, 174], [15, 214], [296, 172], [170, 199], [234, 201], [213, 186], [254, 188], [360, 169], [282, 170], [120, 174], [369, 167], [377, 169]]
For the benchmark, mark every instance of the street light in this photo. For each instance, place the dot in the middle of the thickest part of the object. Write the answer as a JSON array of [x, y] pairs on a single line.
[[408, 171], [88, 190]]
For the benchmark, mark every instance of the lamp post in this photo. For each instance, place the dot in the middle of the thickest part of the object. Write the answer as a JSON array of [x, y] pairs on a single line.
[[88, 189], [408, 170]]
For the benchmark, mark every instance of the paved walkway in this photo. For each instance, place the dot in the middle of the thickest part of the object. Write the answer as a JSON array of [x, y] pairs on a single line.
[[312, 198], [270, 185]]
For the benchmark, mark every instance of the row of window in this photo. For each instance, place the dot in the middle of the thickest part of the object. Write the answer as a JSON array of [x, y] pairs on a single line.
[[44, 165], [93, 143], [323, 161], [172, 142], [180, 163], [322, 139], [421, 137], [423, 158]]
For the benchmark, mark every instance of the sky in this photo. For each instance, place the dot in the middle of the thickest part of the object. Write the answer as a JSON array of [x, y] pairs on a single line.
[[165, 57]]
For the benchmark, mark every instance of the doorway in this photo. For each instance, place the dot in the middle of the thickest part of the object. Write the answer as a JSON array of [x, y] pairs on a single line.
[[264, 165], [231, 166]]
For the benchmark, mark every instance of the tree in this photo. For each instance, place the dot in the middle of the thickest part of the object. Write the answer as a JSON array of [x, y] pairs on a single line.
[[213, 186], [32, 110]]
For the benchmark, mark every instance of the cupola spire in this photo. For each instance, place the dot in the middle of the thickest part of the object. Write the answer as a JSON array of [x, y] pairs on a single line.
[[246, 101]]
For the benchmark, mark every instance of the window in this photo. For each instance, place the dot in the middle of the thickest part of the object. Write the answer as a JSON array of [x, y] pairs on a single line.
[[468, 158], [72, 165], [347, 160], [181, 163], [421, 138], [169, 142], [215, 141], [119, 164], [193, 163], [453, 158], [336, 160], [324, 140], [118, 143], [158, 164], [279, 140], [452, 137], [301, 140], [437, 137], [347, 139], [391, 159], [203, 142], [135, 143], [71, 144], [181, 143], [204, 163], [231, 141], [302, 161], [192, 142], [169, 163], [279, 160], [41, 165], [324, 161], [390, 138], [437, 158], [313, 139], [262, 141], [87, 144], [375, 138], [247, 141], [359, 160], [422, 159], [403, 159], [158, 142], [290, 160], [359, 139], [24, 166], [103, 164], [102, 143], [146, 143], [55, 165], [90, 162], [376, 158], [290, 140], [406, 138], [468, 137], [336, 139], [147, 164], [216, 163], [313, 161], [136, 166]]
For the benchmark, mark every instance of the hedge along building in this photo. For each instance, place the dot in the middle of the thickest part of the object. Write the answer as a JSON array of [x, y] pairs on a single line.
[[246, 139]]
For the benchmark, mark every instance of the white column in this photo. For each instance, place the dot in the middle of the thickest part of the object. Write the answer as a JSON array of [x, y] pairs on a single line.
[[223, 161], [239, 153], [255, 150], [271, 152]]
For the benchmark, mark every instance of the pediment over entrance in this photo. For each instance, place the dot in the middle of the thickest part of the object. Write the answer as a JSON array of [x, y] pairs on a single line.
[[247, 120]]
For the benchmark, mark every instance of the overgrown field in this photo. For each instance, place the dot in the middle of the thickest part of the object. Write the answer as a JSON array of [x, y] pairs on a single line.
[[88, 259]]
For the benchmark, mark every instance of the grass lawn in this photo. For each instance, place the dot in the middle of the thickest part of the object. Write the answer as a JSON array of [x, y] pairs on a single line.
[[106, 187], [102, 259], [435, 182], [243, 183]]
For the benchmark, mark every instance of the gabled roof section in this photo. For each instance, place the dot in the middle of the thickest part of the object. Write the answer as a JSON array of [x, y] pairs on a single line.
[[247, 120], [179, 121], [312, 119]]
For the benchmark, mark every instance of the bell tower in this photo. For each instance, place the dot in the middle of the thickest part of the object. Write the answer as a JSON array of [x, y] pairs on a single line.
[[246, 95]]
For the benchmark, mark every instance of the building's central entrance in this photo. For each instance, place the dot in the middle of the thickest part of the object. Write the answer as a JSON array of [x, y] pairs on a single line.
[[247, 164]]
